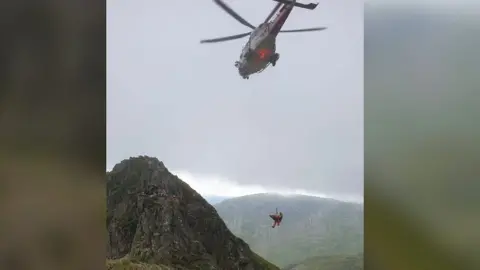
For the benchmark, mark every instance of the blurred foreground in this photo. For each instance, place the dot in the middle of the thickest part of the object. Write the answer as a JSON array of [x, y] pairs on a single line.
[[52, 135], [422, 136], [421, 144]]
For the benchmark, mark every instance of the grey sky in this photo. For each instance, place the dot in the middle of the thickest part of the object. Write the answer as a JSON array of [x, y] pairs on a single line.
[[297, 125]]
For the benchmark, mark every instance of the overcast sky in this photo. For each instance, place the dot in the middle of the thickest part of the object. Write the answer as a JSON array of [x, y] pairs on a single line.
[[297, 126]]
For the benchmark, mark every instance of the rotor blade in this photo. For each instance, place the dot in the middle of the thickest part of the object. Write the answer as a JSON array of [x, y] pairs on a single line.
[[225, 38], [304, 30], [233, 13]]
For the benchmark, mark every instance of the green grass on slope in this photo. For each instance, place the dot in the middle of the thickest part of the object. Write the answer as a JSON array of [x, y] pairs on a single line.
[[127, 264], [265, 264], [339, 262], [299, 247]]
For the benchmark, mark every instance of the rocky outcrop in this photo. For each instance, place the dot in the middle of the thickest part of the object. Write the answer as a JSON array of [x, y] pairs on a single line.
[[154, 217]]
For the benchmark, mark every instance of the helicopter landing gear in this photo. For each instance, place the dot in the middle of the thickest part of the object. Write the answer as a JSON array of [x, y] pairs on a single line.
[[274, 59]]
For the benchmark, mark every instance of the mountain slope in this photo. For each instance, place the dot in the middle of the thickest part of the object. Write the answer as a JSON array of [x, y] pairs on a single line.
[[156, 221], [215, 199], [339, 262], [125, 263], [311, 227]]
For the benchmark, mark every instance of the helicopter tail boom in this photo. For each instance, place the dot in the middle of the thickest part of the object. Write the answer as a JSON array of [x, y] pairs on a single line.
[[310, 6]]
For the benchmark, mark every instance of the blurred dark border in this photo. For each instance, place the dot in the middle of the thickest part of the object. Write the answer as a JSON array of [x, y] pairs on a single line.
[[52, 134], [422, 137]]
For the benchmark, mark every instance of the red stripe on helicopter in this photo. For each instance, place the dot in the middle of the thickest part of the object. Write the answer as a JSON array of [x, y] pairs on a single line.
[[280, 19]]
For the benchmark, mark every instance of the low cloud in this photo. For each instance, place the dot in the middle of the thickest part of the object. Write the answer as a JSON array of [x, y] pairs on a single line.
[[214, 185]]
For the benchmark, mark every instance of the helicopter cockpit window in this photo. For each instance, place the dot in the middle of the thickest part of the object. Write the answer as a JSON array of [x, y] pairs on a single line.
[[255, 32], [260, 31], [245, 51]]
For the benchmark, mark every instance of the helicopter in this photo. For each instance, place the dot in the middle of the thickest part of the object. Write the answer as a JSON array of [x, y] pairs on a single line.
[[260, 50]]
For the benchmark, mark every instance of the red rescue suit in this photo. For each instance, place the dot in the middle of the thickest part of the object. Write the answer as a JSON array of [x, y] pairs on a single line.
[[276, 219]]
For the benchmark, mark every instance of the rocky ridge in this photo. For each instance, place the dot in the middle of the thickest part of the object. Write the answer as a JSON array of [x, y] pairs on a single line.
[[154, 217]]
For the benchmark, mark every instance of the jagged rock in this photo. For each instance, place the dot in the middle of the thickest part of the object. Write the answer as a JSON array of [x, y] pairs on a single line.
[[154, 217]]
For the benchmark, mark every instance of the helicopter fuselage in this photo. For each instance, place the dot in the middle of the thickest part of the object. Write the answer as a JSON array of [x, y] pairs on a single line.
[[260, 49], [257, 53]]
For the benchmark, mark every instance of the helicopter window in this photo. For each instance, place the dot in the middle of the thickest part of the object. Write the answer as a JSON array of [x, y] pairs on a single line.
[[245, 51], [259, 31]]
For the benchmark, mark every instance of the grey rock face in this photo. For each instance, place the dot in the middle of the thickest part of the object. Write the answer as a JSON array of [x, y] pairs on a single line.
[[154, 217]]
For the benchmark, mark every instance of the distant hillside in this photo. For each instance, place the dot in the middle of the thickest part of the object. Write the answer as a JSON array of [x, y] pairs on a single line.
[[352, 262], [156, 221], [311, 227], [215, 199]]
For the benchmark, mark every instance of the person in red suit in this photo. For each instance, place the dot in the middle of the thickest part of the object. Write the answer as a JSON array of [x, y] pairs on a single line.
[[277, 218]]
